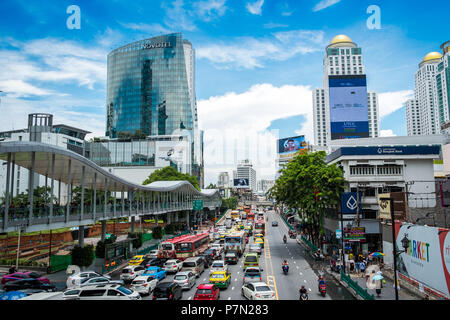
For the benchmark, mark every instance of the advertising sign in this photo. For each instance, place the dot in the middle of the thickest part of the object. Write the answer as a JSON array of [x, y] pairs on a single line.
[[241, 183], [349, 204], [348, 107], [399, 205], [355, 234], [338, 233], [426, 257], [385, 206], [290, 147]]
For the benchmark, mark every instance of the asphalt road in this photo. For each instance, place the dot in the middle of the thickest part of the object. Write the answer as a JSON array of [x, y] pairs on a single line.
[[275, 251]]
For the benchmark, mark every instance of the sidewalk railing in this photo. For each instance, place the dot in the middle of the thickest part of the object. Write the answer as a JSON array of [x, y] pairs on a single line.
[[287, 223], [355, 286], [310, 244]]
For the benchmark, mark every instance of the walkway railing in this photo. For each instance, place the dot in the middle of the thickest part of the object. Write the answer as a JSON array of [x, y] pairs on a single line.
[[309, 244], [355, 286]]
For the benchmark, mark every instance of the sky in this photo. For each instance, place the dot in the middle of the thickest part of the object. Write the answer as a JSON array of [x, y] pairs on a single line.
[[257, 63]]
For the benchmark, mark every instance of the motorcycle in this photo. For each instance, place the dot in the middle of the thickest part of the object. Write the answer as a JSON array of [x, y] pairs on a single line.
[[285, 269], [303, 296], [323, 289], [284, 240], [292, 235]]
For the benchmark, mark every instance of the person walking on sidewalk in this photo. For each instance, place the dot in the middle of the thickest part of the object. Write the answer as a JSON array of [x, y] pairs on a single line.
[[378, 287]]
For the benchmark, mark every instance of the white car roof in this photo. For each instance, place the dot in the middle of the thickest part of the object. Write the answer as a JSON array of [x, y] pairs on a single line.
[[260, 284], [221, 261], [142, 278], [171, 261]]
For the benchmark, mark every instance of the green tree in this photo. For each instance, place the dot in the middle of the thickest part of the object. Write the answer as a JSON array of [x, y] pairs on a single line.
[[310, 186], [211, 186], [170, 174], [157, 233], [83, 257], [230, 203]]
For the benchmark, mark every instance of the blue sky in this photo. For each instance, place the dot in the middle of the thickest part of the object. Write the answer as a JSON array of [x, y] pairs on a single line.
[[240, 45]]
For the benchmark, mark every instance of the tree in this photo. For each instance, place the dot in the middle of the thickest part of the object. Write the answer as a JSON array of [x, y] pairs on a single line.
[[310, 186], [83, 257], [170, 174], [230, 203], [211, 186]]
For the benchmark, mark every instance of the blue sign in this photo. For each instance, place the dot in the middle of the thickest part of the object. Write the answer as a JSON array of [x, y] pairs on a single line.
[[349, 116], [338, 233], [349, 202]]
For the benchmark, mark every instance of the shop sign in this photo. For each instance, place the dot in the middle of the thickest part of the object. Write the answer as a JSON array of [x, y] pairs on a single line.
[[355, 234]]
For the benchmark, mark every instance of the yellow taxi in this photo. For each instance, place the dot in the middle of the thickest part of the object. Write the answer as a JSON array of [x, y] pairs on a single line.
[[259, 241], [221, 279], [259, 235], [136, 260]]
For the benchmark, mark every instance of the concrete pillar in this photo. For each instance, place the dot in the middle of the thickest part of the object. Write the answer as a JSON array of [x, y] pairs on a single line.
[[69, 191], [81, 236], [12, 177], [52, 188], [8, 172], [133, 220], [103, 230], [187, 219], [169, 216], [30, 187]]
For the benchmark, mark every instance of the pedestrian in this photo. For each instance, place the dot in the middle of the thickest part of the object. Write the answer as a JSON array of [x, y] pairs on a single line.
[[378, 287], [12, 269], [362, 266], [357, 265]]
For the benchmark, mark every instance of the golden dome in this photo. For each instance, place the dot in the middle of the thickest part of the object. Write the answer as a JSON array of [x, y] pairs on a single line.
[[432, 56], [340, 39]]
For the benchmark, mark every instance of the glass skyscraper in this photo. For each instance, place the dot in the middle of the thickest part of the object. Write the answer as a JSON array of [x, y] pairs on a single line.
[[151, 91]]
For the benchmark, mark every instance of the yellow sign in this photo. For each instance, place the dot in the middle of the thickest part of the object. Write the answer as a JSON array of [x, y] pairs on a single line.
[[385, 206]]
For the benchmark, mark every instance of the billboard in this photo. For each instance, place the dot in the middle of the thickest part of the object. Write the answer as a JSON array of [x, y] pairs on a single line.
[[241, 183], [426, 257], [289, 147], [348, 107]]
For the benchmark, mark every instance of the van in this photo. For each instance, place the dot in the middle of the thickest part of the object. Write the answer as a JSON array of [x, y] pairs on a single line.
[[195, 265], [101, 292], [251, 260], [228, 223]]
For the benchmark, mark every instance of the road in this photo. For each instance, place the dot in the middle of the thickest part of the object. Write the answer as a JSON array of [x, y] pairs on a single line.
[[275, 251]]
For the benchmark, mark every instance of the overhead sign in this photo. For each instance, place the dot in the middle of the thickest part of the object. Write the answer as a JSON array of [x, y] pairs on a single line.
[[197, 204], [349, 202]]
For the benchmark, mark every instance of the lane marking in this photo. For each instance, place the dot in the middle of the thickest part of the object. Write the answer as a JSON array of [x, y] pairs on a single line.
[[229, 298], [309, 289], [304, 281], [189, 298], [232, 288]]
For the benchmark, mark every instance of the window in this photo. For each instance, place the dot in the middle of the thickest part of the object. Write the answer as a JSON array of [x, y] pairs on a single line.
[[92, 293], [114, 293]]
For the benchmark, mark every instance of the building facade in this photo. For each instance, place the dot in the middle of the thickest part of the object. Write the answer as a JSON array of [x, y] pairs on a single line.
[[224, 180], [245, 170], [151, 91], [413, 123], [442, 88], [343, 108]]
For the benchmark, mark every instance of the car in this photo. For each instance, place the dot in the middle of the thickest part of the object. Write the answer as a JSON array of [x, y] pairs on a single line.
[[167, 291], [259, 242], [257, 291], [252, 274], [207, 291], [207, 259], [155, 262], [130, 272], [259, 235], [274, 223], [231, 258], [144, 285], [23, 275], [255, 248], [156, 272], [99, 280], [101, 292], [251, 259], [29, 283], [218, 265], [209, 252], [172, 265], [152, 254], [221, 279], [186, 279], [217, 246], [216, 236], [75, 279], [136, 260]]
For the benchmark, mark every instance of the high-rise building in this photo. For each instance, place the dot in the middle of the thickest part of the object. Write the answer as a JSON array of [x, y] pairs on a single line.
[[151, 92], [223, 180], [343, 108], [442, 88], [413, 123], [245, 170]]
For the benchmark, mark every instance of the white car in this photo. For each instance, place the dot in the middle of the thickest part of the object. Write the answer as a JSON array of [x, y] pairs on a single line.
[[218, 247], [144, 284], [173, 265], [75, 279], [101, 292], [129, 273], [152, 254], [99, 280], [258, 291], [218, 265]]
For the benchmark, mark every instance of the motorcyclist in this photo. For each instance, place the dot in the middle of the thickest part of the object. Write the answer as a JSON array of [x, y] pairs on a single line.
[[284, 238], [303, 290], [285, 263], [321, 281]]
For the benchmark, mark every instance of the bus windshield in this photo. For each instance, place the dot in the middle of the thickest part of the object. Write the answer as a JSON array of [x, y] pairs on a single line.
[[232, 240], [166, 246], [184, 246]]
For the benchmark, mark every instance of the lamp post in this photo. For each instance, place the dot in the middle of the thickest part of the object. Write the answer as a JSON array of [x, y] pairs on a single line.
[[391, 203]]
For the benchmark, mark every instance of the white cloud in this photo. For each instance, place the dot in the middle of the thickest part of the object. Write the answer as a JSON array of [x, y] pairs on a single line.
[[210, 9], [255, 7], [250, 53], [19, 88], [390, 102], [272, 25], [149, 28], [325, 4], [387, 133], [177, 17], [236, 126]]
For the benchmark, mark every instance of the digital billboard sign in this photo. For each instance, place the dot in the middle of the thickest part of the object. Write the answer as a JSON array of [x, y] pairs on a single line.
[[288, 147], [241, 183], [348, 107]]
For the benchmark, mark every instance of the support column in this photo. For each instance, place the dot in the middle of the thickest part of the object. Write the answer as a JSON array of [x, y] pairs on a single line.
[[123, 202], [81, 236], [105, 198], [169, 220], [94, 201], [8, 173], [103, 236], [187, 219], [11, 195], [31, 187], [52, 189], [133, 220], [83, 175], [114, 202], [69, 184]]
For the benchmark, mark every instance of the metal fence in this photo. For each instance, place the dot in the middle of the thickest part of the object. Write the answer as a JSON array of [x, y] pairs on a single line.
[[354, 285]]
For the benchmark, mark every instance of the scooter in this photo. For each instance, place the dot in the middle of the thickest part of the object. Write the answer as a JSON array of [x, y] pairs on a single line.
[[284, 240], [285, 269], [323, 289], [303, 296]]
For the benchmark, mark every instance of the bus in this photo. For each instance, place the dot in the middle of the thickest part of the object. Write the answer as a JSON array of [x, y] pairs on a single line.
[[260, 226], [234, 214], [184, 246], [235, 242]]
